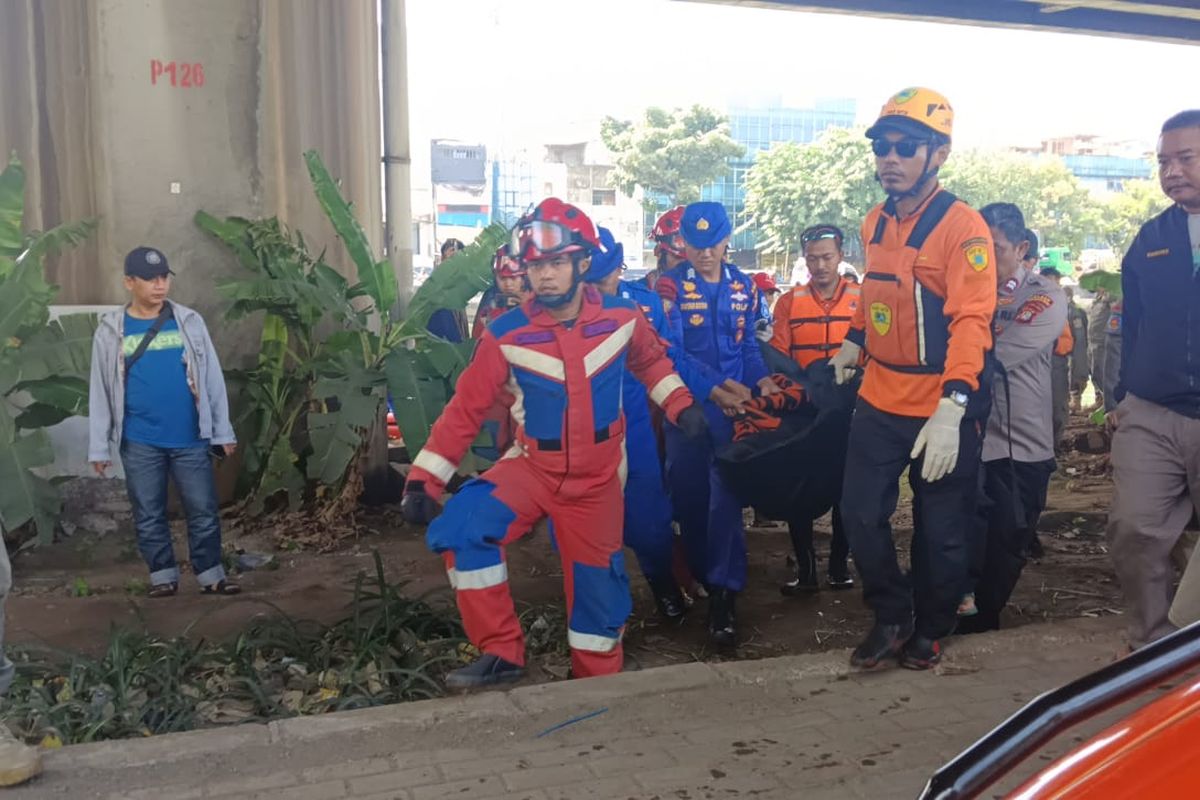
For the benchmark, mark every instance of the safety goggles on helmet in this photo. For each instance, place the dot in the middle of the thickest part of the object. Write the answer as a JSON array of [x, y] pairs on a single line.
[[821, 232], [672, 243], [905, 148], [543, 238]]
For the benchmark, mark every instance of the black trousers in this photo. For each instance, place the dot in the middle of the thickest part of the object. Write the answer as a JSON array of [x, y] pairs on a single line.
[[943, 512], [1014, 496], [801, 532]]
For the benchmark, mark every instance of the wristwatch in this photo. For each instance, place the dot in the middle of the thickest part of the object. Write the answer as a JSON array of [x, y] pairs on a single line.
[[958, 398]]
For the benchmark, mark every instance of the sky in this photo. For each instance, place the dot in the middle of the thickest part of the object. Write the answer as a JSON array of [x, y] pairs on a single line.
[[515, 73]]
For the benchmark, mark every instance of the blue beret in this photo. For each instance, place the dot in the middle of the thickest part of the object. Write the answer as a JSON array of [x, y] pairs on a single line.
[[604, 261], [705, 224]]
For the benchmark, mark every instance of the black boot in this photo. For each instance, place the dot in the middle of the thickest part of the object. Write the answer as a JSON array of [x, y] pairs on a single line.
[[485, 671], [882, 643], [669, 599], [721, 618]]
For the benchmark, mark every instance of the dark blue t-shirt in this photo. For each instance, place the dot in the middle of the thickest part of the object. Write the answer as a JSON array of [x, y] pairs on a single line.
[[159, 407]]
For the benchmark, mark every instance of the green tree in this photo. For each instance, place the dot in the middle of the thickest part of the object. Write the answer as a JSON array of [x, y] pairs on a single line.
[[1052, 199], [792, 186], [1125, 211], [671, 153]]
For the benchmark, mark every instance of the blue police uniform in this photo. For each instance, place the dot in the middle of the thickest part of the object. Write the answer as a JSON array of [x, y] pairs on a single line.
[[715, 325], [647, 508], [647, 511]]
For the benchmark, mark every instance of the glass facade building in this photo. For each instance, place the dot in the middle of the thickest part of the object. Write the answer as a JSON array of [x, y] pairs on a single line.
[[757, 129]]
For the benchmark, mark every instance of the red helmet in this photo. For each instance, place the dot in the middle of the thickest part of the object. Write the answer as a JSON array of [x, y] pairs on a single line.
[[505, 265], [667, 233], [551, 229]]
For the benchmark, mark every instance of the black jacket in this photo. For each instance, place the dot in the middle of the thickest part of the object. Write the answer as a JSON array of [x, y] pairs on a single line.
[[1160, 348]]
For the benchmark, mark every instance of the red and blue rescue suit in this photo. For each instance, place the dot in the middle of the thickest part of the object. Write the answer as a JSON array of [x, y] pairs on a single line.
[[716, 322], [567, 464]]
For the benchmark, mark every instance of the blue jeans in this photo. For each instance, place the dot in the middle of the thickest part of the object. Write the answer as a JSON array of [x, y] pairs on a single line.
[[146, 471]]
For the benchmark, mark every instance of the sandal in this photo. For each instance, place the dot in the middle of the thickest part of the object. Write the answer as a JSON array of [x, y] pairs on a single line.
[[221, 587], [163, 590]]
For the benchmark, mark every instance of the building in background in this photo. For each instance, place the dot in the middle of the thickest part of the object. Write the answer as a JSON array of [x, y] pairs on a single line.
[[459, 197], [581, 174], [757, 127], [1102, 166]]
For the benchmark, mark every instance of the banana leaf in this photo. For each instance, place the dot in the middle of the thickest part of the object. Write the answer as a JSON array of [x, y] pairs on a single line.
[[417, 397], [62, 348], [25, 496], [1100, 279], [67, 393], [376, 277], [457, 280], [282, 474], [12, 211]]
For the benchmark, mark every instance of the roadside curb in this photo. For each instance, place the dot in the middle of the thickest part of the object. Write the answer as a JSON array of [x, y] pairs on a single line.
[[524, 704]]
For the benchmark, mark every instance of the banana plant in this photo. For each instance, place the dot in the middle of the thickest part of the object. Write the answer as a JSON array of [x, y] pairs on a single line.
[[330, 352], [44, 364]]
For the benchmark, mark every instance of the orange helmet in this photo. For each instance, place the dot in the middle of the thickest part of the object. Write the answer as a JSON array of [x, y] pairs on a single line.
[[915, 111]]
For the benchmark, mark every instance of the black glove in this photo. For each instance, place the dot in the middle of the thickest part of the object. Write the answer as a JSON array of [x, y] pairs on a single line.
[[416, 505], [693, 423]]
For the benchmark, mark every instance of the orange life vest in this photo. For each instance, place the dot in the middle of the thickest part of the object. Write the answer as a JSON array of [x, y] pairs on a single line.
[[929, 275], [808, 328]]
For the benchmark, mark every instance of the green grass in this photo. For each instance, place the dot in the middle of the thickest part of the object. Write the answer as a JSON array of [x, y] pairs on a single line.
[[389, 649]]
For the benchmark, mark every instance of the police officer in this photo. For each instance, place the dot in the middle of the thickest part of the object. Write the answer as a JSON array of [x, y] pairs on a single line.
[[648, 530], [925, 322], [1018, 451], [717, 305], [810, 323]]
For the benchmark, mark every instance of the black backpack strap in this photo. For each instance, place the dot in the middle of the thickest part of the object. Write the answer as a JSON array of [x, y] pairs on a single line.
[[880, 227], [930, 217], [148, 337]]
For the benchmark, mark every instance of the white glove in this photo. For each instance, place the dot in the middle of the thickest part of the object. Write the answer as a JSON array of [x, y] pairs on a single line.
[[939, 439], [845, 363]]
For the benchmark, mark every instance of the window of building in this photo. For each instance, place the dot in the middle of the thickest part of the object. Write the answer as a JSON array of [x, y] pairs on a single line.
[[604, 197]]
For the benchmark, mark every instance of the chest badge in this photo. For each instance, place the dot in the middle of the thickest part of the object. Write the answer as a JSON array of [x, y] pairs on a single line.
[[881, 318], [689, 286], [696, 319]]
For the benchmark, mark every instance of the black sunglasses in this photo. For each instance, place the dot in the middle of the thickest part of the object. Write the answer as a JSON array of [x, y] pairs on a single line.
[[905, 148], [821, 233]]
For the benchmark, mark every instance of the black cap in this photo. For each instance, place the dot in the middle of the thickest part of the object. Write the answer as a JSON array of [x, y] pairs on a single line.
[[146, 263]]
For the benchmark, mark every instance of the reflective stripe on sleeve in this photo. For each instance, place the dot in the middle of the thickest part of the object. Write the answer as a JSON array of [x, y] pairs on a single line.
[[662, 390]]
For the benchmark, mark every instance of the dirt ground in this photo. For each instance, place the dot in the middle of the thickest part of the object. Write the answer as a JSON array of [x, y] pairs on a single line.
[[1073, 579]]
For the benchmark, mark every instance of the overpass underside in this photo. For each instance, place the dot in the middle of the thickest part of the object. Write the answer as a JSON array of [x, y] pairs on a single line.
[[1161, 20]]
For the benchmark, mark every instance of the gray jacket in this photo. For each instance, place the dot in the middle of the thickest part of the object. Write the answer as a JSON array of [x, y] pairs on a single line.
[[106, 398]]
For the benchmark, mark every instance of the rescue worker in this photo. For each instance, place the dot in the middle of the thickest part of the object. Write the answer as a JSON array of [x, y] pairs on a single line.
[[925, 323], [668, 241], [563, 355], [1018, 451], [767, 290], [510, 288], [717, 303], [648, 529], [1156, 445], [810, 323]]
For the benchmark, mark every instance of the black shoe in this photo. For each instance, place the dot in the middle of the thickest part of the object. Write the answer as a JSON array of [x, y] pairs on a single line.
[[487, 670], [721, 619], [805, 581], [883, 642], [920, 653], [669, 600], [840, 578]]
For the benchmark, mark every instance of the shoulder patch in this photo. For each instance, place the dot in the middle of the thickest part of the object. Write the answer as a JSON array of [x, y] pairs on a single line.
[[1032, 307], [976, 252]]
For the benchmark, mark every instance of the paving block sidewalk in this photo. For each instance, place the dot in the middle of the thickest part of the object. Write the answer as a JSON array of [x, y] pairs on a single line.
[[777, 728]]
